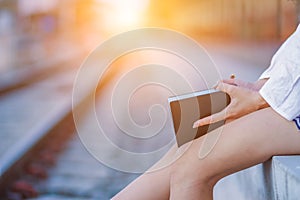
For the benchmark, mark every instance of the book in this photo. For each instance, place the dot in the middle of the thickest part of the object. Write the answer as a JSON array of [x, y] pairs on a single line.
[[188, 108]]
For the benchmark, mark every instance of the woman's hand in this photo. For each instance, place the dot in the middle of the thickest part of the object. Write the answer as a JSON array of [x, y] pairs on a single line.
[[251, 86], [245, 99]]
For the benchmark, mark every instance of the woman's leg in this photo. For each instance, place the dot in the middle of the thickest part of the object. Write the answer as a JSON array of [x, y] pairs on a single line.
[[244, 142]]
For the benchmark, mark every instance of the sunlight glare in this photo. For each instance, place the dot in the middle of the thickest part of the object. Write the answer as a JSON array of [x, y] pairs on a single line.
[[120, 14]]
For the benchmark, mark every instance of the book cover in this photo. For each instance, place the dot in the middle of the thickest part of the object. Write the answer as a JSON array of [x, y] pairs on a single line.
[[188, 108]]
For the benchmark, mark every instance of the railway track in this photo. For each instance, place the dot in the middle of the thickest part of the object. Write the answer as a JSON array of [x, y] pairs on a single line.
[[35, 121], [41, 156], [20, 179]]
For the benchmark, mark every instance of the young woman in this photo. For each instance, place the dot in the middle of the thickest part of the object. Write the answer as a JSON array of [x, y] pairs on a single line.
[[264, 121]]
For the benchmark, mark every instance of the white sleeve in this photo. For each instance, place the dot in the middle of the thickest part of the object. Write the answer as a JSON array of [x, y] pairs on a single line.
[[282, 90]]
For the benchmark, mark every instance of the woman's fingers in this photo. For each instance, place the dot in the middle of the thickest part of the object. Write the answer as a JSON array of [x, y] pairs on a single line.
[[230, 81], [210, 119], [243, 101], [239, 83], [224, 87], [228, 86]]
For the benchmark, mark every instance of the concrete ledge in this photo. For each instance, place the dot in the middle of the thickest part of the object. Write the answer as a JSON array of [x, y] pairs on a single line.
[[276, 179], [286, 177]]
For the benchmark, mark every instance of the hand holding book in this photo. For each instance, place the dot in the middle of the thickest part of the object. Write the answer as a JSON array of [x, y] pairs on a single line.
[[229, 100], [245, 99]]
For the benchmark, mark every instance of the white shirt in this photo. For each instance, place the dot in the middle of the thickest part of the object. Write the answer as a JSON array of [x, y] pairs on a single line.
[[282, 90]]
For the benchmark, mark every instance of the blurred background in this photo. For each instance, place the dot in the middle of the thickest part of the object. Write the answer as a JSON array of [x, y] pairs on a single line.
[[42, 45], [32, 31]]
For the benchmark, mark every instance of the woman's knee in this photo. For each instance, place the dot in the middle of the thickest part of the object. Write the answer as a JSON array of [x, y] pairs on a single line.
[[193, 173]]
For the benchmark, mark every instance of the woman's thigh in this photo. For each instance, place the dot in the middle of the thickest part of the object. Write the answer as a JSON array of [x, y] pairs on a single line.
[[242, 143]]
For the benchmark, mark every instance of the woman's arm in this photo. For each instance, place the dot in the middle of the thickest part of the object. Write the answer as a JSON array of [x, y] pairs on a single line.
[[245, 98]]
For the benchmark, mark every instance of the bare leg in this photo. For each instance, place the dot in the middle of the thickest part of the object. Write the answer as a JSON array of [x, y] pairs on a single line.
[[244, 142]]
